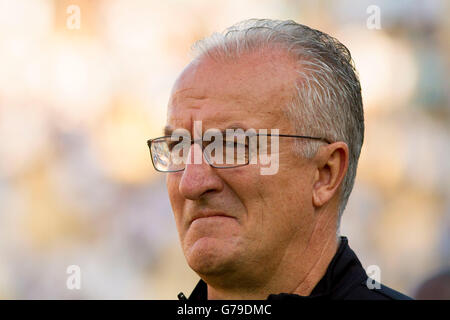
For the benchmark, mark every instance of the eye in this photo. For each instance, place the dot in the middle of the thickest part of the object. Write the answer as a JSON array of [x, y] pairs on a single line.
[[172, 144], [228, 144], [237, 140], [234, 144], [182, 141]]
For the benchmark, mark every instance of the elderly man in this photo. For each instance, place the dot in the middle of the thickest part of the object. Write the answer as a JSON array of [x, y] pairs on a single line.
[[247, 233]]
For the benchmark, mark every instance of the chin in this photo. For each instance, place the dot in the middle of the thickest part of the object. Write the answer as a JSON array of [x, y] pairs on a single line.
[[211, 256]]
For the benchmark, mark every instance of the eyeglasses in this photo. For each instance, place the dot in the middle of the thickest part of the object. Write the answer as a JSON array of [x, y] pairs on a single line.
[[170, 154]]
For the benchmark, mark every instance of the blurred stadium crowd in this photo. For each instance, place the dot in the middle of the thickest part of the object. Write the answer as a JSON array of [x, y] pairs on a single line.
[[77, 105]]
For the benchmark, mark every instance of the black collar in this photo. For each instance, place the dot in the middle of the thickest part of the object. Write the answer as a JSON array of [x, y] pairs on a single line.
[[343, 274]]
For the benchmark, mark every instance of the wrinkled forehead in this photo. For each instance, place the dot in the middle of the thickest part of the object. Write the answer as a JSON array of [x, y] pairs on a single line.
[[252, 91]]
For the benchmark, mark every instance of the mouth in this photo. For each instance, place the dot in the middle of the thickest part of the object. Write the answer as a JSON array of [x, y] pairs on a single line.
[[210, 214]]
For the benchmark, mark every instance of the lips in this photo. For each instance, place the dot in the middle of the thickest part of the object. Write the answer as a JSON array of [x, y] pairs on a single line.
[[208, 214]]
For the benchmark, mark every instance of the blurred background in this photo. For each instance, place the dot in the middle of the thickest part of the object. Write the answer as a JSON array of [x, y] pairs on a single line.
[[81, 94]]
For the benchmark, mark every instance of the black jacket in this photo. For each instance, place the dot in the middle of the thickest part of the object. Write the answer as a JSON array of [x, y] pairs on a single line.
[[345, 279]]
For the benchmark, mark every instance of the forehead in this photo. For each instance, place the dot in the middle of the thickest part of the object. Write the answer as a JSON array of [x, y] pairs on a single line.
[[252, 91]]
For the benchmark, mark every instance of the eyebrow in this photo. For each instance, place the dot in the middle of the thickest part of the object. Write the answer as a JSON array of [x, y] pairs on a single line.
[[168, 129], [236, 126]]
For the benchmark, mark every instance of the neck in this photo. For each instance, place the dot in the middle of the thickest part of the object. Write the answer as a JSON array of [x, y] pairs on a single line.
[[298, 272]]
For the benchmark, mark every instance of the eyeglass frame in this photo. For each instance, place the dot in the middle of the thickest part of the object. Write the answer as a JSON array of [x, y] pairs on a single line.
[[150, 141]]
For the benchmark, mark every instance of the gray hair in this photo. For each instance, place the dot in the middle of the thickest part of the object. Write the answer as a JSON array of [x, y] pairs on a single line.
[[327, 100]]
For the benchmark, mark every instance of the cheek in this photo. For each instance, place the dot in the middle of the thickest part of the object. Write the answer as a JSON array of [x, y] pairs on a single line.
[[285, 198]]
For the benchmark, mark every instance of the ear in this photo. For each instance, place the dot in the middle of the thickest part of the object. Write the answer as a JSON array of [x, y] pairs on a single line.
[[331, 166]]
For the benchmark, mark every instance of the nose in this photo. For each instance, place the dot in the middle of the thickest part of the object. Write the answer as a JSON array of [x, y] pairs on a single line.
[[198, 179]]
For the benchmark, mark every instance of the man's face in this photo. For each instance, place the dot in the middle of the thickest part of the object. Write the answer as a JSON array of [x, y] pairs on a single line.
[[237, 221]]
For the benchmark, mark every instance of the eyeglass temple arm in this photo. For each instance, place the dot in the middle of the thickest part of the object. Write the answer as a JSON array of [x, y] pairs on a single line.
[[294, 136]]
